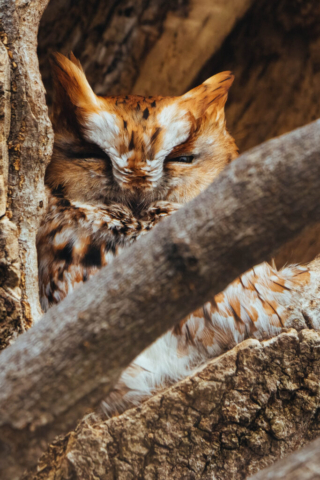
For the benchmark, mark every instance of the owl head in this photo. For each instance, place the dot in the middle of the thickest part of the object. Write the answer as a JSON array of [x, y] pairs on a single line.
[[133, 149]]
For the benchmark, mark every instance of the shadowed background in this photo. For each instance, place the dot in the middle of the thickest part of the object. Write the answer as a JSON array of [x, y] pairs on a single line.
[[153, 47]]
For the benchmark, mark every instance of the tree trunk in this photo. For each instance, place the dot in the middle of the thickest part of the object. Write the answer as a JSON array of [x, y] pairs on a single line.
[[26, 140]]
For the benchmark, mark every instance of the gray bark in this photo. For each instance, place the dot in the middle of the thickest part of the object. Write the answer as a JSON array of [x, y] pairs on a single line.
[[71, 359]]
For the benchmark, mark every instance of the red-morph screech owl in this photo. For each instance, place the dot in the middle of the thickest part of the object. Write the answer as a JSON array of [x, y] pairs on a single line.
[[120, 164]]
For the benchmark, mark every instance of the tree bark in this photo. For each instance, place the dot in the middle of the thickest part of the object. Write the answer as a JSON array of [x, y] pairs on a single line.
[[26, 140], [61, 367], [236, 416]]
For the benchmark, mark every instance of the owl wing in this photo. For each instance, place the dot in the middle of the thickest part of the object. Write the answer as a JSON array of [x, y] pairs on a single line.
[[76, 240], [259, 304]]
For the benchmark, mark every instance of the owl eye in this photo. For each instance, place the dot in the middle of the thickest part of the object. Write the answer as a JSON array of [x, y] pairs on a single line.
[[86, 154], [182, 159]]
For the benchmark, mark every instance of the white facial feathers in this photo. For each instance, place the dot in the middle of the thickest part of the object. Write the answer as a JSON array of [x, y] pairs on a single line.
[[105, 129], [176, 126]]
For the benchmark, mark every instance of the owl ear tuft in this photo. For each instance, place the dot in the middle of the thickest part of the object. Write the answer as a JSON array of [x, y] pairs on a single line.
[[74, 60], [209, 96], [73, 95]]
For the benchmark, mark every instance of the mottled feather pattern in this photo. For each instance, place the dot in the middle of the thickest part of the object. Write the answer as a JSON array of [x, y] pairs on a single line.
[[121, 164], [75, 240], [256, 305]]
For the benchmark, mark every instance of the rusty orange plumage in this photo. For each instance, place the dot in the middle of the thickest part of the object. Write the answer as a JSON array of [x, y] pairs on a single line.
[[120, 164]]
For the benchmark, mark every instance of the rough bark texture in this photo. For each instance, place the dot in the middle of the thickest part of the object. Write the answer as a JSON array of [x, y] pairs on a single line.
[[301, 465], [61, 367], [239, 414], [26, 139]]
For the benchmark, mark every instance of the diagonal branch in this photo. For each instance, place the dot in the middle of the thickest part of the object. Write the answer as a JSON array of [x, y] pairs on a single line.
[[71, 359]]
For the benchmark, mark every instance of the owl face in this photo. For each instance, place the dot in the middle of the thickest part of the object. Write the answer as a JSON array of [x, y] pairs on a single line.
[[132, 149]]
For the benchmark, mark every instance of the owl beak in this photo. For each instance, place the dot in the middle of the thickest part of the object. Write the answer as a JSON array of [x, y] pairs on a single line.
[[137, 175]]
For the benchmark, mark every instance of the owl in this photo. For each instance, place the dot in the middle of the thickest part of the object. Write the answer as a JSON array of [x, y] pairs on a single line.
[[120, 164]]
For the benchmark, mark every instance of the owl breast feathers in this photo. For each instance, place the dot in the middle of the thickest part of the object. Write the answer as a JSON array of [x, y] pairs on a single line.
[[120, 164]]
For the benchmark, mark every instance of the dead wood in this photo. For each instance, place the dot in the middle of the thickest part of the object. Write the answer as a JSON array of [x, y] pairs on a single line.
[[70, 360], [237, 415]]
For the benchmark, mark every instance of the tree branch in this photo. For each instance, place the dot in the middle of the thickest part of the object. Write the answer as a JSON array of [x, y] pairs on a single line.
[[71, 359], [236, 416]]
